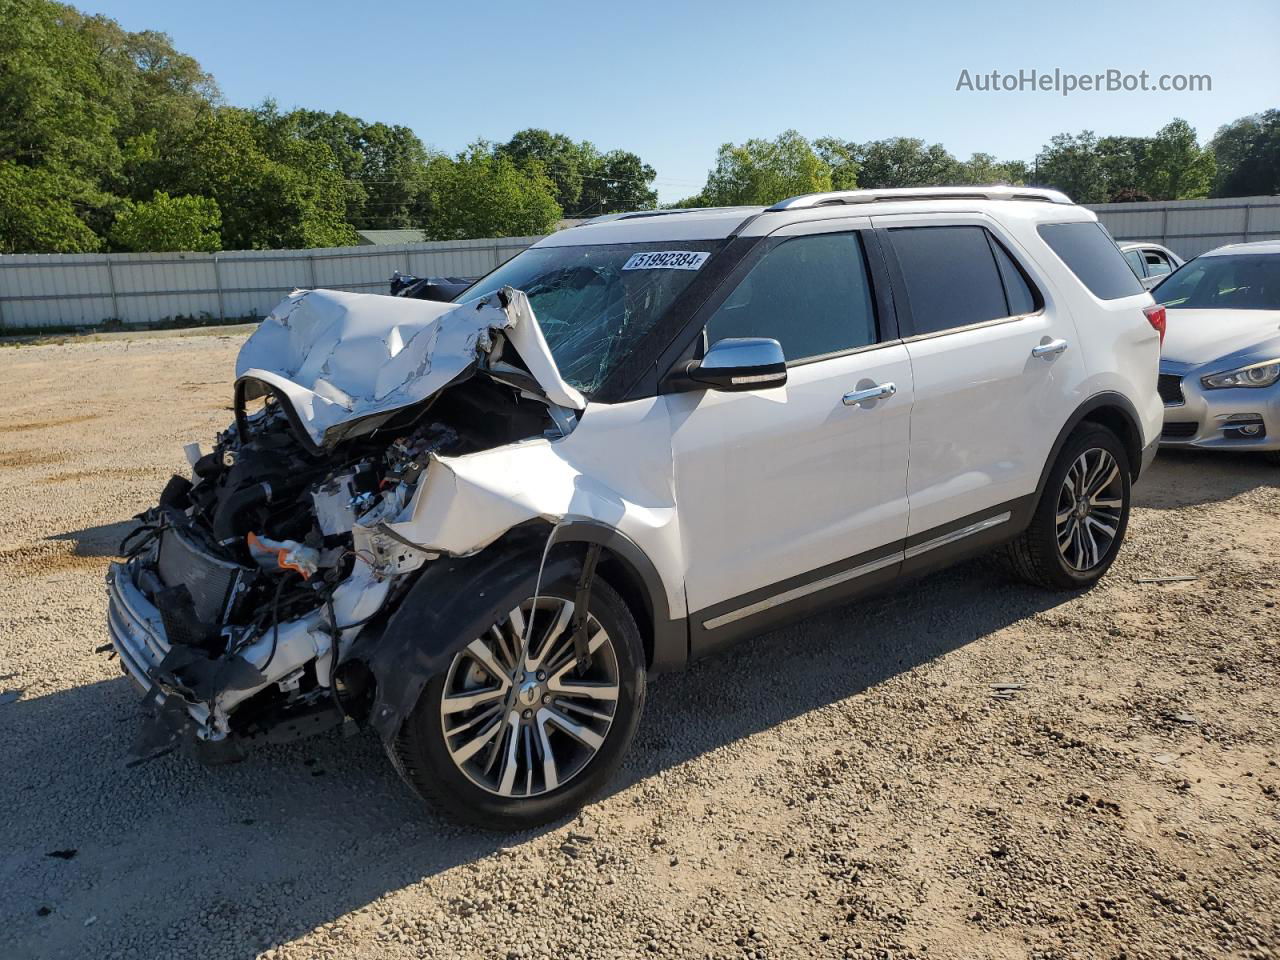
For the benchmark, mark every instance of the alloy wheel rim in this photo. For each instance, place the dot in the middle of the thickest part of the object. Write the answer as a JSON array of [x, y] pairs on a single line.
[[1090, 505], [521, 727]]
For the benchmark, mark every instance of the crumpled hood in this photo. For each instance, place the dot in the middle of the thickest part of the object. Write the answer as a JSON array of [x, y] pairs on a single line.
[[1194, 337], [339, 357]]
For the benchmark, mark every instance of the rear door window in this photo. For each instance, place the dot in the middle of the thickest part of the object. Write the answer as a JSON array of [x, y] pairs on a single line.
[[951, 277], [1135, 260], [1090, 253]]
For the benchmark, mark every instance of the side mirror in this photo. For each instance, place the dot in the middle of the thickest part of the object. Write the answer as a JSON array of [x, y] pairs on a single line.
[[743, 363]]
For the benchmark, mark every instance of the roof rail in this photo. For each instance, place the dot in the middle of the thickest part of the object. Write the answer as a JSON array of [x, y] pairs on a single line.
[[921, 193]]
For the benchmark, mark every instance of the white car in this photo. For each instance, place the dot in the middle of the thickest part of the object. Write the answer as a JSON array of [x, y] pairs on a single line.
[[1220, 367], [477, 527], [1150, 262]]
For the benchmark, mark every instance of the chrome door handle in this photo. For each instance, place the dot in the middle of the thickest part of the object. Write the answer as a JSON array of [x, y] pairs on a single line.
[[878, 392], [1047, 351]]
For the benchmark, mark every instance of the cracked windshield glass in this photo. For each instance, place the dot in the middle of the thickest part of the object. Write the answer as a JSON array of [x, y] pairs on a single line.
[[594, 302]]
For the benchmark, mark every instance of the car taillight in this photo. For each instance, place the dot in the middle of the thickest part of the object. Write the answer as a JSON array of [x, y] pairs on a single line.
[[1156, 316]]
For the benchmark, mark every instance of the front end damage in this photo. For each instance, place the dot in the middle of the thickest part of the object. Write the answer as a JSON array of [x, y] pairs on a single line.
[[244, 590]]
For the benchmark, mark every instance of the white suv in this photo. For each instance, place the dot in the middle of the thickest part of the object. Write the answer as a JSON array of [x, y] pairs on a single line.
[[478, 526]]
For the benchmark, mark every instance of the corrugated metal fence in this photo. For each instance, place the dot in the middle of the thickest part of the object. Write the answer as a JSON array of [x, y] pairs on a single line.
[[1190, 227], [51, 290], [54, 290]]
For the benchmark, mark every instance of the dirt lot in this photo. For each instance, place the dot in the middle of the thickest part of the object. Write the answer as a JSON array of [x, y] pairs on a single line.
[[851, 786]]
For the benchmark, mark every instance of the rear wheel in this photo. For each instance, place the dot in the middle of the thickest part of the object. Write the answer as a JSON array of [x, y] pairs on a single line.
[[519, 730], [1080, 522]]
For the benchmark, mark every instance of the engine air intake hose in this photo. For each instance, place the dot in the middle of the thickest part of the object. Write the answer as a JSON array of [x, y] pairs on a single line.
[[226, 520]]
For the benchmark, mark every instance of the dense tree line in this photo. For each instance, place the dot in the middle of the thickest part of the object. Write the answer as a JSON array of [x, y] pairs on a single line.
[[111, 140], [1242, 159]]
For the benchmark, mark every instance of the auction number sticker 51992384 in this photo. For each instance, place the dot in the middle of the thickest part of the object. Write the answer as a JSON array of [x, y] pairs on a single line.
[[666, 260]]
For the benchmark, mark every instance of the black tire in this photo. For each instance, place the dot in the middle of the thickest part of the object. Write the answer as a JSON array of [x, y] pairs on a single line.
[[421, 755], [1035, 555]]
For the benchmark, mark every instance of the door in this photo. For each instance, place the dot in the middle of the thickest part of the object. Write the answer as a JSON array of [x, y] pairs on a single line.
[[782, 488], [996, 365]]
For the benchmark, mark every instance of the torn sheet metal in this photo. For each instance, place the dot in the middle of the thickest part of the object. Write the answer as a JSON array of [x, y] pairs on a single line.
[[339, 357], [462, 504], [526, 336]]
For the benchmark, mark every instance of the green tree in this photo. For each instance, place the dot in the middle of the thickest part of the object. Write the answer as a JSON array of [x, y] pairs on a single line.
[[1175, 166], [275, 188], [393, 175], [1073, 165], [764, 172], [1121, 162], [983, 168], [384, 166], [152, 86], [904, 162], [586, 181], [564, 162], [55, 92], [1247, 154], [485, 194], [169, 223], [841, 157], [57, 122], [38, 212], [618, 182]]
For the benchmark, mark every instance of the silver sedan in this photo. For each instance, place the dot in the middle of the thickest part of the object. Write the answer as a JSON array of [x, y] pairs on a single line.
[[1220, 364]]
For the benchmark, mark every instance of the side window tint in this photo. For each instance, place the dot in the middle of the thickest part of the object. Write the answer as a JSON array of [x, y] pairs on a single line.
[[811, 294], [1090, 253], [1018, 291], [1157, 265], [1135, 260], [950, 275]]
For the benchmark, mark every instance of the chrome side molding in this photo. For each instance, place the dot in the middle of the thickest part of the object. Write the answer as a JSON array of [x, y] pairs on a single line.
[[960, 534]]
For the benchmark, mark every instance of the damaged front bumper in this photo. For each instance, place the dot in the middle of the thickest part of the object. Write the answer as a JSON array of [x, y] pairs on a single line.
[[138, 637], [199, 711], [137, 634]]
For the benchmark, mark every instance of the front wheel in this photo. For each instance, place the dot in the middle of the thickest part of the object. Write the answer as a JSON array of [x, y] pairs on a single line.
[[520, 730], [1080, 521]]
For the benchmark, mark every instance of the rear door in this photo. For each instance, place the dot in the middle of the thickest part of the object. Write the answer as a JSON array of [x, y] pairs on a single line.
[[995, 364], [789, 496]]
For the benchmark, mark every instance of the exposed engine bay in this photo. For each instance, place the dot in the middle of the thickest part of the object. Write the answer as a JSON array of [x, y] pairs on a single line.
[[245, 587]]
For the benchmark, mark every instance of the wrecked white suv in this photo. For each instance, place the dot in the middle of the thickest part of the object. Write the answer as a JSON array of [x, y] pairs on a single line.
[[476, 527]]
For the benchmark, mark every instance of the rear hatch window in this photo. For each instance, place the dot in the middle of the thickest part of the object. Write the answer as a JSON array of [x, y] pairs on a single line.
[[1088, 250]]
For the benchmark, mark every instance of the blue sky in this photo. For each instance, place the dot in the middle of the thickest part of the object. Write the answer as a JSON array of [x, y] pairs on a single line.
[[672, 81]]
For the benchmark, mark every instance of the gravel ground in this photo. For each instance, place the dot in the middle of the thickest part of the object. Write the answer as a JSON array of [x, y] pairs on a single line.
[[853, 786]]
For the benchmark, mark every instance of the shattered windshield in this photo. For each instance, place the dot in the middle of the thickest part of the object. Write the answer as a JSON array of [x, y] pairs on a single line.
[[594, 303]]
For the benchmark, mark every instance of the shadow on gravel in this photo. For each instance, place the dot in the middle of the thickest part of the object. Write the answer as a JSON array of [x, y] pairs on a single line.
[[100, 541], [227, 861], [1186, 478]]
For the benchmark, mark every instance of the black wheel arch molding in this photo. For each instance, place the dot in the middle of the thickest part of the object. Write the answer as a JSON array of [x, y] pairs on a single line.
[[455, 599], [1117, 413]]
